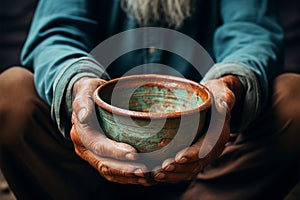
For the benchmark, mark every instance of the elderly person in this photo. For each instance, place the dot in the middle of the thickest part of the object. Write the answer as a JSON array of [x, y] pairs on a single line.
[[50, 149]]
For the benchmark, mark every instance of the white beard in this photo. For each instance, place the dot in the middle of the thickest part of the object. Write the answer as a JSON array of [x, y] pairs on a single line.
[[169, 12]]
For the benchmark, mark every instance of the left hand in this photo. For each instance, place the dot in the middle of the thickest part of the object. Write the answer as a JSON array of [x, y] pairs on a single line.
[[188, 162]]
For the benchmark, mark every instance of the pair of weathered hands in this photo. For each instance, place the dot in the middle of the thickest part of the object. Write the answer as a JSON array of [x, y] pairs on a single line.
[[116, 161]]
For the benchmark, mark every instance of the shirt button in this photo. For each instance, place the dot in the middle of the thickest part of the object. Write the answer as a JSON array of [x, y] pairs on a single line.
[[152, 50]]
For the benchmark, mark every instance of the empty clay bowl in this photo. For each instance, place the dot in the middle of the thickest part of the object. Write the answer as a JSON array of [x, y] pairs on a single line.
[[152, 111]]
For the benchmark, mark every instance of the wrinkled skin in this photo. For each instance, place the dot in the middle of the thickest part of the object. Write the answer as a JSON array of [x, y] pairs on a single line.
[[115, 161], [187, 163], [110, 158]]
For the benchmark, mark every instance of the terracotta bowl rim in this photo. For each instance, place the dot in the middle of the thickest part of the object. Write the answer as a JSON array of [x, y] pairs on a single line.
[[150, 115]]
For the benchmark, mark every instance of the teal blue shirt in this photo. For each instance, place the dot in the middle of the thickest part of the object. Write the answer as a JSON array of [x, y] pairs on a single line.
[[243, 38]]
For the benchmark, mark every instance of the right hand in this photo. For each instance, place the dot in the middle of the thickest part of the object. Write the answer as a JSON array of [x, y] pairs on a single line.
[[113, 160]]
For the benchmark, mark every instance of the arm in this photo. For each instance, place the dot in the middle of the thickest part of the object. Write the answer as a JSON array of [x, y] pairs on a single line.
[[249, 45], [57, 51]]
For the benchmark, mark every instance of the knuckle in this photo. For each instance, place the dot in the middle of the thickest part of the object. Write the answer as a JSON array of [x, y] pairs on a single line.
[[104, 170], [76, 102], [78, 152], [98, 148]]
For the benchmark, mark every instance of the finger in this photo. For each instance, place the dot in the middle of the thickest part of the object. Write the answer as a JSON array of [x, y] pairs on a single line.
[[190, 154], [117, 168], [117, 150], [133, 181], [121, 176], [83, 103], [86, 84], [116, 171], [111, 167], [224, 98], [84, 111], [193, 167], [207, 148], [224, 104], [127, 169], [100, 145], [163, 176], [168, 164]]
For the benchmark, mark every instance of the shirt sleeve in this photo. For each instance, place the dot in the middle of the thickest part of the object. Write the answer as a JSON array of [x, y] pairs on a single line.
[[60, 37], [248, 44]]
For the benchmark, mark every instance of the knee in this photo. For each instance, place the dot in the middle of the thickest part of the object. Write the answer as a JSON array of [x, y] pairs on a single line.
[[16, 86], [286, 106], [286, 97], [17, 106], [13, 77]]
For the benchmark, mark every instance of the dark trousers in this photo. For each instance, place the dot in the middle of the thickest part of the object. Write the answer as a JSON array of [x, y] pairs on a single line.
[[38, 163]]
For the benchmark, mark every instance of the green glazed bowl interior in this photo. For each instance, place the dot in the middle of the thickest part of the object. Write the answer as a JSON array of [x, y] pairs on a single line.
[[146, 111]]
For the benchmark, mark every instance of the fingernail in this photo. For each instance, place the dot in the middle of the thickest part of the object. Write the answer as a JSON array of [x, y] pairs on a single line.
[[169, 168], [82, 115], [182, 160], [139, 172], [130, 156], [160, 175]]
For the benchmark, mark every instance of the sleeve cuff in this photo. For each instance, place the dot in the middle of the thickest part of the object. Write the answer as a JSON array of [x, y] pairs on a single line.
[[253, 100], [61, 108]]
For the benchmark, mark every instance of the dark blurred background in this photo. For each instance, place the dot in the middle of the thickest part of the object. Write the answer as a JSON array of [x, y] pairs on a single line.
[[15, 18]]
